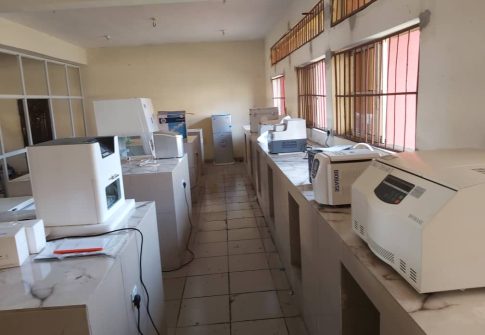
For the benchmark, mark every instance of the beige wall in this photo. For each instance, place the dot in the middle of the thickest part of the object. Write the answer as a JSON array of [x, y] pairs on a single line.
[[451, 84], [14, 35], [201, 78]]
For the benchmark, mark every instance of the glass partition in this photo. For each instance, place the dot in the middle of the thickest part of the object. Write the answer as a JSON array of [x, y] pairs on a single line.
[[57, 79], [34, 77], [10, 80]]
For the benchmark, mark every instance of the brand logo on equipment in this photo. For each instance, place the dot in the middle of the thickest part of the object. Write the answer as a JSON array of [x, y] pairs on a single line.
[[336, 180]]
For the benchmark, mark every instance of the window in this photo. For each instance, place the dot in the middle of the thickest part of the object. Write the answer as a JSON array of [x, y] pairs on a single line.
[[311, 94], [342, 9], [278, 84], [303, 32], [40, 100], [376, 91]]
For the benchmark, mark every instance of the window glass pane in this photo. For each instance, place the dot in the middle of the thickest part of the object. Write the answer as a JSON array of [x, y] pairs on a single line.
[[78, 116], [74, 81], [62, 118], [11, 123], [34, 76], [57, 79], [17, 166], [3, 191], [10, 82]]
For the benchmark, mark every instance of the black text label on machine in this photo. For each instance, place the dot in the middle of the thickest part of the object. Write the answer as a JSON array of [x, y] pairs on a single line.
[[336, 180], [415, 219]]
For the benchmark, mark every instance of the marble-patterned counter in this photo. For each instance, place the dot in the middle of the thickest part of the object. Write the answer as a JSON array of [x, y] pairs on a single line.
[[402, 310], [162, 181], [86, 295]]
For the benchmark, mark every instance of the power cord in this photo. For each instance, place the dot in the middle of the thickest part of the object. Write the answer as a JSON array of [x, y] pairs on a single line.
[[187, 246], [139, 265], [136, 303]]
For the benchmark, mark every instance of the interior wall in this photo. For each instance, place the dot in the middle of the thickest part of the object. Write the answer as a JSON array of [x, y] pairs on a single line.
[[200, 78], [14, 35], [450, 107]]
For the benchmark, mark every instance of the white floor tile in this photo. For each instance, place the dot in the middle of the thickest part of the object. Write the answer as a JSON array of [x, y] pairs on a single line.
[[255, 306], [222, 329], [213, 208], [172, 309], [230, 200], [206, 286], [260, 327], [288, 303], [257, 212], [245, 247], [236, 194], [210, 249], [296, 326], [241, 223], [173, 288], [212, 236], [247, 262], [269, 245], [239, 206], [251, 281], [215, 216], [212, 225], [204, 311], [244, 213], [280, 280], [206, 266], [243, 234], [274, 261]]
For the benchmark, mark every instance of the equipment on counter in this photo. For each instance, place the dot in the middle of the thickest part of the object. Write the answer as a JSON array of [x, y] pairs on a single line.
[[77, 184], [127, 118], [288, 137], [334, 172], [14, 249], [266, 124], [422, 213], [256, 114], [168, 144], [173, 122], [34, 232], [311, 156]]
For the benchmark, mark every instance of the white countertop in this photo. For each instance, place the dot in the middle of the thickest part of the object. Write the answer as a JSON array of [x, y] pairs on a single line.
[[70, 282], [443, 313], [138, 166]]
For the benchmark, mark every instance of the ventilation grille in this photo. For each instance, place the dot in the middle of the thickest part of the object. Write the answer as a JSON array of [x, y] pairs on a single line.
[[356, 226], [413, 275], [386, 254], [362, 230], [402, 265]]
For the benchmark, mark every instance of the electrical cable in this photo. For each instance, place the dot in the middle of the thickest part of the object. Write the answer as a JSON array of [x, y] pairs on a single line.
[[187, 246], [139, 263]]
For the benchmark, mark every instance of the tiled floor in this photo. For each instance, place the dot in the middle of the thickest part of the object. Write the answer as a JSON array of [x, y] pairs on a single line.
[[237, 284]]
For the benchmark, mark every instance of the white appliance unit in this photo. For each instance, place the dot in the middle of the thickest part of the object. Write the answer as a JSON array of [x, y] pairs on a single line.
[[333, 174], [222, 135], [168, 144], [290, 136], [127, 118], [255, 115], [77, 183], [422, 213]]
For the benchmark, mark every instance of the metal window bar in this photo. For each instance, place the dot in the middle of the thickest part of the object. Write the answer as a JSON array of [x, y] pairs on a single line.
[[312, 94], [279, 100], [303, 32], [343, 9], [376, 91]]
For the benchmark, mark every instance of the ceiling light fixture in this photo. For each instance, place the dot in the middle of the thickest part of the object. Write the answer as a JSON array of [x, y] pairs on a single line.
[[154, 22], [223, 32], [107, 37]]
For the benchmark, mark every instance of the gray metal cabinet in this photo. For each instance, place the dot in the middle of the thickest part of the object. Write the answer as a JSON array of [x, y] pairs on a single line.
[[222, 134]]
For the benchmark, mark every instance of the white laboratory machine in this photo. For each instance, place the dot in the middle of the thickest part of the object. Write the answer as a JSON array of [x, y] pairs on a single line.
[[255, 115], [168, 144], [333, 174], [77, 185], [222, 136], [290, 136], [127, 118], [423, 214]]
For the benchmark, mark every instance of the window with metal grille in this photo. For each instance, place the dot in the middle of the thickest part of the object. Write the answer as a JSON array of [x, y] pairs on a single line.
[[312, 94], [342, 9], [278, 84], [376, 91], [303, 32]]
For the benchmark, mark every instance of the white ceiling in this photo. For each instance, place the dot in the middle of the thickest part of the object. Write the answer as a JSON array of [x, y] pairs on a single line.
[[86, 22]]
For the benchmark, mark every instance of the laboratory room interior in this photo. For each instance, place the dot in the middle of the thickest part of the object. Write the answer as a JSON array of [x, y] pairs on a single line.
[[242, 167]]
